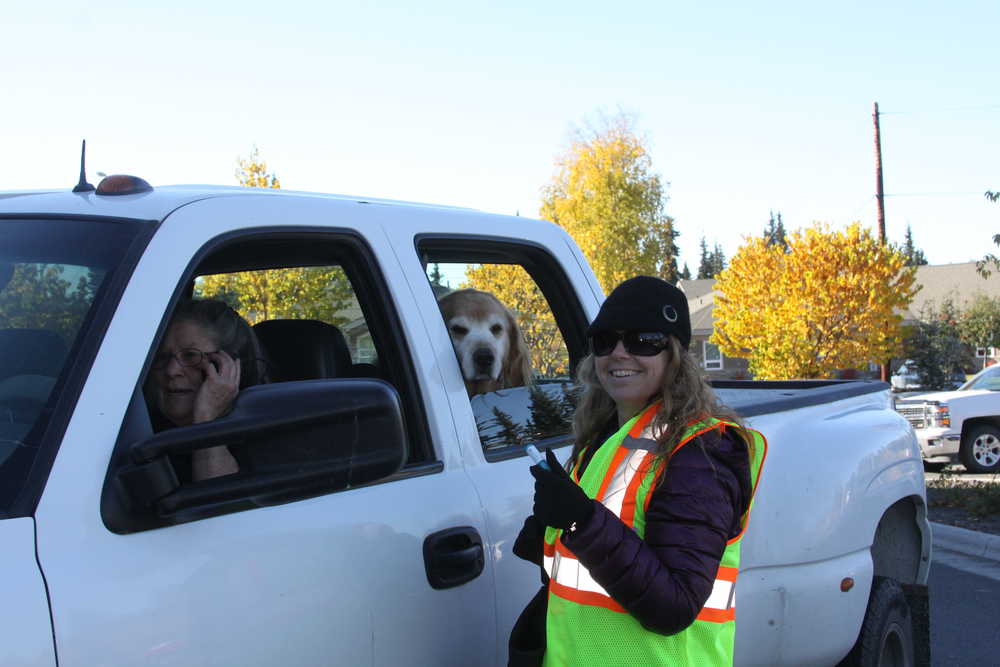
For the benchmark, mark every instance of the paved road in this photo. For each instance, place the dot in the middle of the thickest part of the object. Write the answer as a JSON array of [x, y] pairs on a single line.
[[965, 608]]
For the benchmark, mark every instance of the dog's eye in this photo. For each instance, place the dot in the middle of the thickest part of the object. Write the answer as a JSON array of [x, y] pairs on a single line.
[[459, 330], [496, 329]]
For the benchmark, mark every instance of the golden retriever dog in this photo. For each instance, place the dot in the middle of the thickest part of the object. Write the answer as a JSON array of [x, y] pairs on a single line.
[[487, 340]]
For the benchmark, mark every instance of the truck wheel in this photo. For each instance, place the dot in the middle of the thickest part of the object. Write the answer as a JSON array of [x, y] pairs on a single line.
[[937, 466], [886, 637], [980, 451]]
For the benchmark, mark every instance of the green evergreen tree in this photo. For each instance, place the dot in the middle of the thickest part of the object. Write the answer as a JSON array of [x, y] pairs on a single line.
[[547, 415], [718, 261], [686, 273], [914, 256], [774, 233], [705, 264], [510, 433]]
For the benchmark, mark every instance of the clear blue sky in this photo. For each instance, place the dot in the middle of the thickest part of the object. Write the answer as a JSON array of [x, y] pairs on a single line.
[[747, 107]]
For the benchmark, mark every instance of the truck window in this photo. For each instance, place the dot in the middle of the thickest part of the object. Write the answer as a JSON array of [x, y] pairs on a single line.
[[317, 310], [53, 273], [320, 311], [511, 410]]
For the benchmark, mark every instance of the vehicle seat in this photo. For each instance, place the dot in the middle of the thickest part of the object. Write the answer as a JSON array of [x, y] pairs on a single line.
[[304, 350], [31, 352]]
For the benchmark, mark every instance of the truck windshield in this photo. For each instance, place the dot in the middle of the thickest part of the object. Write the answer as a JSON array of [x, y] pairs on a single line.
[[988, 380], [53, 273]]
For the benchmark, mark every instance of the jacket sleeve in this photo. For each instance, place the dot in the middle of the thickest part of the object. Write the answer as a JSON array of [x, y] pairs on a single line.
[[664, 580]]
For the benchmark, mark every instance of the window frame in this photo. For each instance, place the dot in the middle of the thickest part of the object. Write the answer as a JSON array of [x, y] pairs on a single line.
[[548, 275], [705, 361], [320, 246]]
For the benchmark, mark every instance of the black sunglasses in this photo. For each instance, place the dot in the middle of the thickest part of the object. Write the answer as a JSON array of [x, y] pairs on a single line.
[[639, 343]]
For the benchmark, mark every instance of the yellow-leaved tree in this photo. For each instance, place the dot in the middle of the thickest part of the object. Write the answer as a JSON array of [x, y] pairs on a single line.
[[306, 292], [605, 194], [251, 172], [831, 301]]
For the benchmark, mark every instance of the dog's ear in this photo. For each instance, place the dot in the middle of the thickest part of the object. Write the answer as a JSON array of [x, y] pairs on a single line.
[[517, 366]]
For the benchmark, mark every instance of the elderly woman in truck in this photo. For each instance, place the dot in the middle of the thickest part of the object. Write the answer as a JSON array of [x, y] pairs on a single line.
[[640, 538], [208, 355]]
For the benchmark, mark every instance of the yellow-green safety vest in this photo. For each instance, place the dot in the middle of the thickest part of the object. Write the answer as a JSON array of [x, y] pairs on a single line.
[[584, 625]]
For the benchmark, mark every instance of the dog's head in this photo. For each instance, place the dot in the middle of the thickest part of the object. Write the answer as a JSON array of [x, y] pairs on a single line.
[[487, 340]]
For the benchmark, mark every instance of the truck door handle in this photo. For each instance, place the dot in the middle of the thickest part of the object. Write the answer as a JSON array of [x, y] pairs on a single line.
[[453, 556]]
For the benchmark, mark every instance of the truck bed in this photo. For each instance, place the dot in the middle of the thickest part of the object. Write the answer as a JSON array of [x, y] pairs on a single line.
[[752, 398]]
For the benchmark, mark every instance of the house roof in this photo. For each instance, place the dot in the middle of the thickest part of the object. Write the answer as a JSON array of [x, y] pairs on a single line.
[[959, 282], [695, 288]]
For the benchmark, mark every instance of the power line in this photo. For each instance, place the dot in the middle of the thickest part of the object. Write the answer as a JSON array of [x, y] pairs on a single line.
[[991, 107], [934, 194]]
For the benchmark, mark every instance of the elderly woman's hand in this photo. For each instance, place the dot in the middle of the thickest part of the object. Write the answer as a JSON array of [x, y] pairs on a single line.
[[222, 383]]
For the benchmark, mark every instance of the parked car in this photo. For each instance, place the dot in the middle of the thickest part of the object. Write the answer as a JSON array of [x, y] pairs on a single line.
[[960, 425], [374, 525], [907, 378]]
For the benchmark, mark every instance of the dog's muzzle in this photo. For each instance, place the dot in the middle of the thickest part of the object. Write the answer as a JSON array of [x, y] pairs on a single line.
[[482, 363]]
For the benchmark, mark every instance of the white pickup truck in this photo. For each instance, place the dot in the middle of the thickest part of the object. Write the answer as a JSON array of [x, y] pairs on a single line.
[[375, 524], [962, 425]]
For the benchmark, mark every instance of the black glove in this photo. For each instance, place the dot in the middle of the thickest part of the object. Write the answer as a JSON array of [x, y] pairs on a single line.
[[529, 542], [559, 501]]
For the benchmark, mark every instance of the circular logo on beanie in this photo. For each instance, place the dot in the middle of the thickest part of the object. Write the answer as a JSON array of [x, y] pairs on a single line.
[[669, 313]]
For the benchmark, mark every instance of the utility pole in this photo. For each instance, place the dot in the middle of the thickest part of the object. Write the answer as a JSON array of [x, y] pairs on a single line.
[[884, 367], [879, 196]]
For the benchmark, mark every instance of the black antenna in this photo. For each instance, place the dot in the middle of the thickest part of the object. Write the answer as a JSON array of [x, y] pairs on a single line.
[[83, 185]]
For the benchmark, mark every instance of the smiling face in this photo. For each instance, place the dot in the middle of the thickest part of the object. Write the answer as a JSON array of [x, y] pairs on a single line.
[[175, 386], [630, 380]]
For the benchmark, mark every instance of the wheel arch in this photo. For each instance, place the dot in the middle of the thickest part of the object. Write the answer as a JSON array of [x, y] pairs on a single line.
[[901, 546], [973, 422]]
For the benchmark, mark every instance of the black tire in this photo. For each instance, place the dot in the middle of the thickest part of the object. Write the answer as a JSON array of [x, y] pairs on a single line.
[[886, 637], [980, 450], [936, 466]]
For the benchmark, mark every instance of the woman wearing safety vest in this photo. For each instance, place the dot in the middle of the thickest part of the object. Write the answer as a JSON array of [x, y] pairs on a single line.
[[640, 539]]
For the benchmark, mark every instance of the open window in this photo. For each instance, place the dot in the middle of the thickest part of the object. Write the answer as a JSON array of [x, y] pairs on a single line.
[[529, 283], [327, 411]]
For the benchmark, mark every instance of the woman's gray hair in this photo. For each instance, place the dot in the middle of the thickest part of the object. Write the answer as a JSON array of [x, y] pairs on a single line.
[[233, 333]]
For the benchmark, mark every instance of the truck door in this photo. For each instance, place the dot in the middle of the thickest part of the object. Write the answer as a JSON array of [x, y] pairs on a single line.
[[526, 273], [391, 571]]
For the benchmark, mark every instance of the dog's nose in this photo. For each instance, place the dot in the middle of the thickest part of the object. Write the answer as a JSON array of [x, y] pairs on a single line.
[[483, 359]]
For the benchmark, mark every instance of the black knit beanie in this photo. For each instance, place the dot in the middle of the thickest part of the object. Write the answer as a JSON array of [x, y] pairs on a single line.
[[645, 304]]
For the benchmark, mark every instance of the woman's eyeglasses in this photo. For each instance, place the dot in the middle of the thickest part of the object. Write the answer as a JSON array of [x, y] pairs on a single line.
[[189, 356], [638, 343]]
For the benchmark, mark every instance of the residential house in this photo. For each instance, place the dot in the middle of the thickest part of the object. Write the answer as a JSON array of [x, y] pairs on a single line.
[[701, 302]]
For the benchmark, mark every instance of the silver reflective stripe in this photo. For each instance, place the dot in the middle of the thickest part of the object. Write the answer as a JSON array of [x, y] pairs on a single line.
[[723, 595], [571, 573], [614, 495]]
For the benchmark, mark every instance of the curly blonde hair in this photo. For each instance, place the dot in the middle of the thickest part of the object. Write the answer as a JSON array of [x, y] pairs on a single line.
[[686, 397]]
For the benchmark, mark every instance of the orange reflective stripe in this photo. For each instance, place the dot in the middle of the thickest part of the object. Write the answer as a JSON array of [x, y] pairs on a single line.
[[628, 505], [643, 420], [584, 597], [620, 454], [717, 615], [727, 573]]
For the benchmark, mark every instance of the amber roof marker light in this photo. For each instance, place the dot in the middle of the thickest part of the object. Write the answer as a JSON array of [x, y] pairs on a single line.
[[122, 184], [83, 185]]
